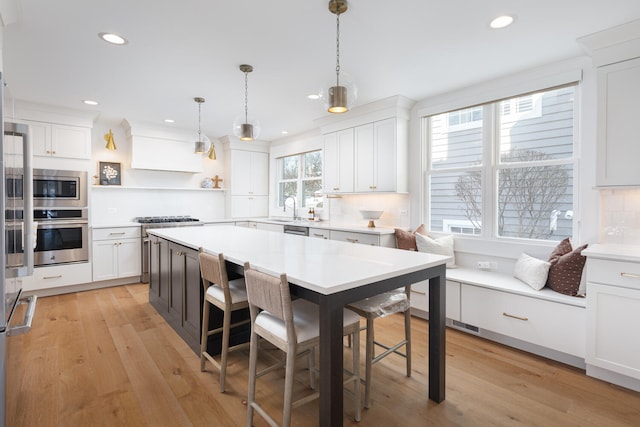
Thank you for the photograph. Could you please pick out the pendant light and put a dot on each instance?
(339, 98)
(243, 127)
(199, 143)
(111, 145)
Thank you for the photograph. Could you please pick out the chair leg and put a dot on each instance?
(288, 385)
(312, 367)
(205, 333)
(356, 372)
(226, 327)
(407, 334)
(253, 367)
(369, 355)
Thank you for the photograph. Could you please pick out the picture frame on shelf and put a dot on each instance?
(110, 173)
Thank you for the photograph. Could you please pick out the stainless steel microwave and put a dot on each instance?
(52, 188)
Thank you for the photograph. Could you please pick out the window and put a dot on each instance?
(301, 176)
(508, 175)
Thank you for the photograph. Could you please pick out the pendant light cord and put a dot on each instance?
(199, 132)
(246, 97)
(338, 49)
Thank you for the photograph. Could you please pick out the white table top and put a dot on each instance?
(324, 266)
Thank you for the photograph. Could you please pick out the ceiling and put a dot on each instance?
(180, 50)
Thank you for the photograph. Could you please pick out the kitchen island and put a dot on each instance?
(329, 273)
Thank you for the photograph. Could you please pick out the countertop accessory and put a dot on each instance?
(371, 215)
(199, 149)
(340, 97)
(243, 128)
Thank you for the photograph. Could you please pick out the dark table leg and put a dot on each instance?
(330, 361)
(437, 322)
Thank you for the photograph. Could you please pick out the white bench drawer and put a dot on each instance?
(553, 325)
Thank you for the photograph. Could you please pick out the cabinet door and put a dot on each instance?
(240, 172)
(249, 206)
(154, 270)
(40, 137)
(613, 328)
(176, 284)
(338, 161)
(259, 174)
(129, 261)
(364, 159)
(70, 141)
(420, 298)
(164, 279)
(385, 155)
(618, 124)
(192, 306)
(105, 265)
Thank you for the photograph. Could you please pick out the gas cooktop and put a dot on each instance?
(164, 219)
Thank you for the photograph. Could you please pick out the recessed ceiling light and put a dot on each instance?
(284, 132)
(169, 121)
(113, 38)
(90, 102)
(313, 96)
(502, 21)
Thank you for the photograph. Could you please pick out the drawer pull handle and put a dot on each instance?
(52, 277)
(418, 292)
(515, 317)
(156, 243)
(318, 235)
(116, 234)
(632, 275)
(351, 240)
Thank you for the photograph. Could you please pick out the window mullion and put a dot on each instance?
(489, 160)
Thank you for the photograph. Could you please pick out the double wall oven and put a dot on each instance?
(60, 213)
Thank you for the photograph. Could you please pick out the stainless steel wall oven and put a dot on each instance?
(62, 236)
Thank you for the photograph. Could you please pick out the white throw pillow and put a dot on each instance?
(531, 271)
(439, 246)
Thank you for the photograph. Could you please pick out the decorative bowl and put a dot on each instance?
(371, 215)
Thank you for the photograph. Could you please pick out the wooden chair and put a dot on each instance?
(228, 297)
(396, 301)
(293, 327)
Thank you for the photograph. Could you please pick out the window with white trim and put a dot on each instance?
(511, 174)
(300, 176)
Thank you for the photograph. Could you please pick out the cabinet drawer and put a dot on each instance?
(617, 273)
(553, 325)
(420, 298)
(115, 233)
(363, 238)
(319, 233)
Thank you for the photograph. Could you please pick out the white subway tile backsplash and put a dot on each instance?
(620, 216)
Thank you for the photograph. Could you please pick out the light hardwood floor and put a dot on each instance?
(106, 358)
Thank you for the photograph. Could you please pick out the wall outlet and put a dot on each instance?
(111, 211)
(403, 212)
(487, 265)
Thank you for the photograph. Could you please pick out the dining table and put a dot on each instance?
(331, 274)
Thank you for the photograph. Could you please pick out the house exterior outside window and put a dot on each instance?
(300, 176)
(504, 169)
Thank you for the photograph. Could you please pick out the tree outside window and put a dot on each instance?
(301, 176)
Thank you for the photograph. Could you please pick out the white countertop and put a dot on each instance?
(614, 252)
(324, 266)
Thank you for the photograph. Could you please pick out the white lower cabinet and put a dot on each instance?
(270, 227)
(548, 324)
(613, 321)
(116, 253)
(249, 206)
(420, 298)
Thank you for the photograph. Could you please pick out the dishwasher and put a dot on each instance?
(299, 230)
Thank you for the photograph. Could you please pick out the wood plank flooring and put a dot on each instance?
(106, 358)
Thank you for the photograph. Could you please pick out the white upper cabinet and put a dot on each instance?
(618, 124)
(338, 161)
(367, 151)
(249, 173)
(380, 158)
(57, 140)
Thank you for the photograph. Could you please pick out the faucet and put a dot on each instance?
(284, 206)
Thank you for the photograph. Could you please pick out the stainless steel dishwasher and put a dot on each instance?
(299, 230)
